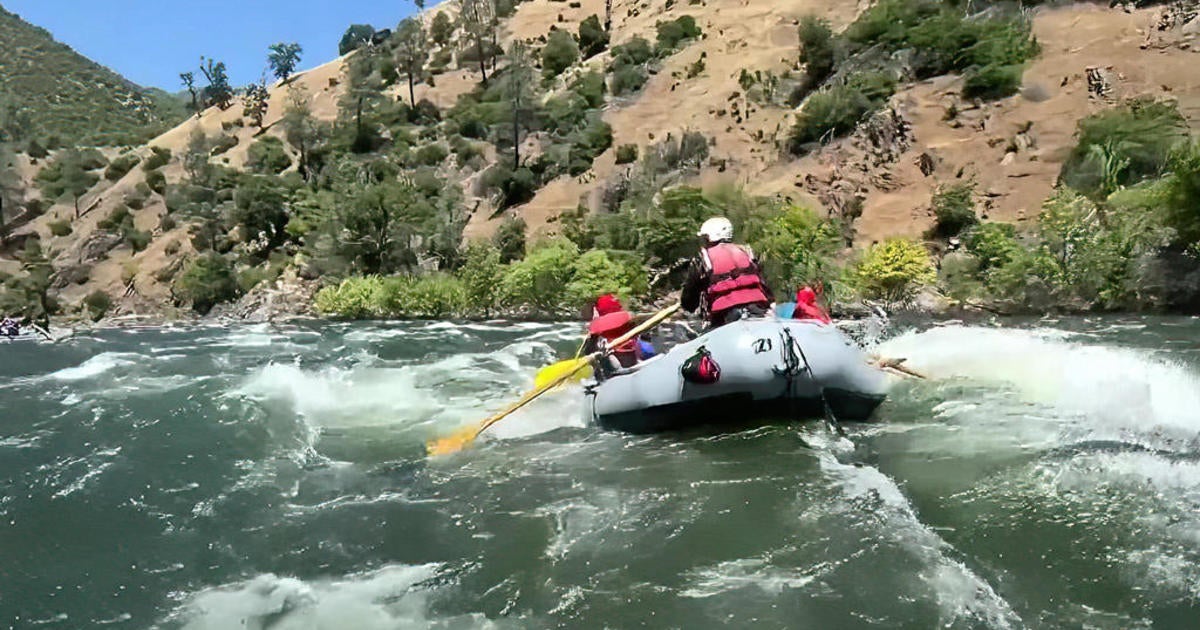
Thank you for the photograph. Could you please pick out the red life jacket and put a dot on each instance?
(807, 307)
(612, 326)
(734, 279)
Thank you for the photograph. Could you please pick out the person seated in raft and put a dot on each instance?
(10, 327)
(609, 321)
(725, 281)
(807, 307)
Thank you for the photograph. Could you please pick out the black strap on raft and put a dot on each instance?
(791, 369)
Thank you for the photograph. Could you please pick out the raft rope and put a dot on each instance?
(791, 369)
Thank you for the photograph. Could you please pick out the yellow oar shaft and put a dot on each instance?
(460, 439)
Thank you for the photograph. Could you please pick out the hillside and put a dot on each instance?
(49, 92)
(344, 177)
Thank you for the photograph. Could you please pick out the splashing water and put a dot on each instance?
(274, 477)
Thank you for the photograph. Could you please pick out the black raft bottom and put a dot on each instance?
(739, 410)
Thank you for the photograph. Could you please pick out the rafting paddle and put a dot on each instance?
(463, 438)
(553, 371)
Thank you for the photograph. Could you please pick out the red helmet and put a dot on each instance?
(606, 304)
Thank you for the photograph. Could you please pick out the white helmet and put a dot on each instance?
(716, 230)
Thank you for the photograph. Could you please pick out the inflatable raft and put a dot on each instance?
(768, 369)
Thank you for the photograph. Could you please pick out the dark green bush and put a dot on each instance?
(559, 53)
(674, 32)
(593, 39)
(591, 87)
(588, 143)
(515, 186)
(1183, 194)
(818, 49)
(92, 159)
(120, 166)
(992, 82)
(954, 209)
(268, 156)
(831, 112)
(628, 79)
(431, 155)
(115, 219)
(627, 154)
(159, 157)
(635, 52)
(994, 244)
(1123, 146)
(562, 114)
(61, 227)
(35, 150)
(97, 304)
(260, 206)
(222, 144)
(156, 181)
(509, 239)
(205, 282)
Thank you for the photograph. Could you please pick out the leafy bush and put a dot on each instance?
(598, 272)
(992, 82)
(593, 39)
(635, 52)
(354, 298)
(674, 32)
(818, 48)
(1182, 207)
(465, 150)
(434, 296)
(97, 304)
(796, 247)
(1122, 146)
(36, 150)
(259, 205)
(59, 228)
(627, 154)
(591, 87)
(834, 111)
(441, 29)
(540, 280)
(159, 157)
(156, 181)
(588, 143)
(222, 144)
(268, 157)
(206, 281)
(509, 239)
(559, 53)
(480, 274)
(628, 79)
(120, 166)
(954, 209)
(894, 270)
(431, 155)
(667, 232)
(92, 159)
(562, 114)
(994, 244)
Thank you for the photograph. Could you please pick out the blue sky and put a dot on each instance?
(151, 41)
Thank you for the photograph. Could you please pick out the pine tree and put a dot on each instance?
(519, 81)
(412, 51)
(283, 59)
(478, 18)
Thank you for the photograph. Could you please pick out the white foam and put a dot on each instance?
(748, 572)
(1109, 387)
(95, 366)
(391, 597)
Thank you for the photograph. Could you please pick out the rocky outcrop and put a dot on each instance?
(288, 297)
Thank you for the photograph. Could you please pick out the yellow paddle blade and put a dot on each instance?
(552, 373)
(452, 443)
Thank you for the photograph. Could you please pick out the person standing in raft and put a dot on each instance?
(609, 321)
(725, 282)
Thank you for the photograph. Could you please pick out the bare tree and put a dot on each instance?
(189, 82)
(519, 81)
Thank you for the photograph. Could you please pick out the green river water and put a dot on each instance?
(274, 477)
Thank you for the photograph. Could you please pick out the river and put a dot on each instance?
(274, 477)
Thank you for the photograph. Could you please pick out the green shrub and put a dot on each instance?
(667, 231)
(260, 206)
(120, 166)
(481, 274)
(992, 82)
(540, 280)
(515, 187)
(435, 296)
(222, 144)
(441, 29)
(588, 143)
(832, 112)
(993, 244)
(97, 304)
(1122, 146)
(206, 281)
(672, 33)
(251, 277)
(818, 49)
(635, 52)
(954, 210)
(115, 219)
(167, 223)
(795, 246)
(92, 159)
(156, 181)
(560, 52)
(137, 239)
(562, 114)
(894, 270)
(598, 272)
(591, 87)
(1182, 207)
(627, 154)
(593, 39)
(36, 150)
(627, 80)
(509, 239)
(159, 157)
(465, 150)
(431, 155)
(354, 298)
(268, 156)
(60, 228)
